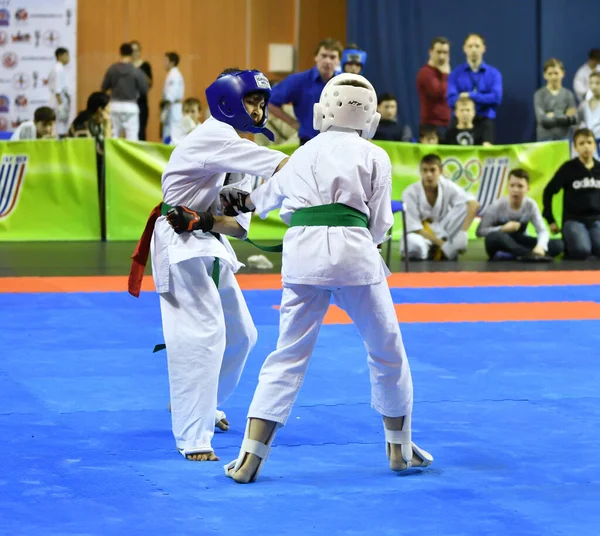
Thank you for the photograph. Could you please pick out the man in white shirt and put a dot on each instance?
(42, 126)
(60, 99)
(172, 97)
(581, 82)
(207, 327)
(438, 214)
(335, 194)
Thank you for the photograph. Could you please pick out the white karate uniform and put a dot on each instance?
(337, 166)
(173, 91)
(57, 84)
(208, 331)
(182, 129)
(446, 216)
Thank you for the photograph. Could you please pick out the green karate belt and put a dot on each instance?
(334, 215)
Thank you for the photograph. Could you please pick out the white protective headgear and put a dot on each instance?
(347, 106)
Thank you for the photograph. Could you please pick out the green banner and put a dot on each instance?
(482, 171)
(133, 172)
(49, 190)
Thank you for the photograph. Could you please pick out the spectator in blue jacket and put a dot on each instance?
(303, 89)
(476, 80)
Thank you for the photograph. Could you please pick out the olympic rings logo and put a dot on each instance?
(454, 169)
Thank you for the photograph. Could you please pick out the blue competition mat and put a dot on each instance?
(510, 411)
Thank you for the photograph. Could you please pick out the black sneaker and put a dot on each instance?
(532, 257)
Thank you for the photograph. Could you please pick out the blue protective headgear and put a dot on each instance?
(353, 55)
(225, 98)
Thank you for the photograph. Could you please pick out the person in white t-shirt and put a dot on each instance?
(581, 82)
(192, 113)
(172, 97)
(41, 127)
(588, 112)
(60, 99)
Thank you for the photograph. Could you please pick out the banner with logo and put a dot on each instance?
(49, 190)
(30, 32)
(481, 171)
(133, 172)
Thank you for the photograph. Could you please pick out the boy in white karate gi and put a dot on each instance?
(335, 193)
(207, 327)
(438, 214)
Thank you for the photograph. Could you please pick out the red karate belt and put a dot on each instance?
(141, 253)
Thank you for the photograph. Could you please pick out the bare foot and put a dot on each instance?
(397, 463)
(202, 457)
(246, 472)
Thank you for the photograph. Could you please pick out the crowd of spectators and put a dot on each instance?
(457, 107)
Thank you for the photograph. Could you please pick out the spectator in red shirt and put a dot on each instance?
(432, 84)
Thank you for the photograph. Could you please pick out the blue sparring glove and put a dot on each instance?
(234, 201)
(183, 220)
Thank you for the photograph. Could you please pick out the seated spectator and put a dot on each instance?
(428, 135)
(588, 113)
(582, 76)
(466, 131)
(353, 59)
(192, 114)
(438, 214)
(555, 106)
(42, 126)
(504, 225)
(80, 127)
(389, 129)
(579, 179)
(94, 121)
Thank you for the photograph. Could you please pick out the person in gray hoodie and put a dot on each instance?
(125, 84)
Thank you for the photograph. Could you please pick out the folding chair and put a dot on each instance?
(398, 206)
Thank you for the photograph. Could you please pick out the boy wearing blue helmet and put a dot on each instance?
(207, 327)
(353, 59)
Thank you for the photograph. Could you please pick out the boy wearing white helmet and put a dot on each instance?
(335, 193)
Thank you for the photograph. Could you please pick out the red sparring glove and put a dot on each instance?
(185, 220)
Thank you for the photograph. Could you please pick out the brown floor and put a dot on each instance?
(96, 258)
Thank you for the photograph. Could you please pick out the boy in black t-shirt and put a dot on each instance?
(579, 179)
(467, 130)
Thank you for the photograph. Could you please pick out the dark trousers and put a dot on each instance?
(517, 244)
(143, 105)
(581, 239)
